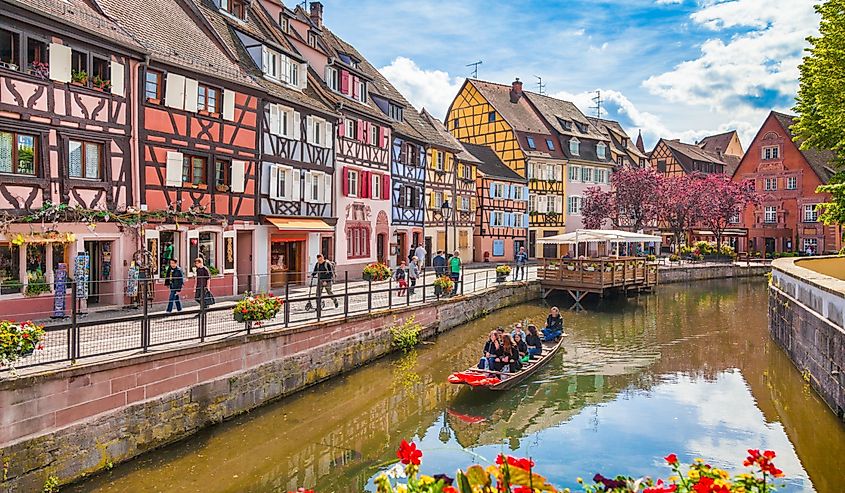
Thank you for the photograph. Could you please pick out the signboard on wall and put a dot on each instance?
(59, 288)
(82, 274)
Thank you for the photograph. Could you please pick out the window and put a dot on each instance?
(374, 135)
(395, 112)
(573, 205)
(575, 147)
(530, 141)
(811, 245)
(314, 188)
(357, 241)
(221, 172)
(84, 159)
(791, 183)
(10, 268)
(194, 170)
(100, 68)
(281, 182)
(497, 219)
(516, 192)
(350, 128)
(283, 22)
(208, 99)
(532, 203)
(152, 85)
(811, 215)
(9, 49)
(411, 155)
(601, 150)
(586, 174)
(437, 200)
(456, 122)
(439, 161)
(332, 79)
(550, 144)
(581, 127)
(771, 184)
(498, 191)
(375, 190)
(208, 249)
(734, 219)
(771, 152)
(498, 248)
(362, 91)
(410, 197)
(234, 7)
(574, 173)
(317, 131)
(567, 125)
(491, 117)
(661, 165)
(598, 175)
(36, 57)
(464, 203)
(312, 39)
(79, 63)
(771, 215)
(18, 153)
(352, 182)
(519, 219)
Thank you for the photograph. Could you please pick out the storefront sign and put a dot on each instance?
(59, 288)
(82, 274)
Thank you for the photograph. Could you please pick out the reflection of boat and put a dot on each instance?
(467, 418)
(497, 380)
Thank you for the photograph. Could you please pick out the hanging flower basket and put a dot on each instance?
(444, 284)
(257, 308)
(502, 272)
(376, 271)
(18, 340)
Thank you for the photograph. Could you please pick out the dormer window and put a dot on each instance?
(575, 147)
(491, 117)
(349, 60)
(333, 78)
(361, 95)
(312, 39)
(550, 144)
(566, 124)
(234, 7)
(395, 112)
(771, 152)
(624, 143)
(279, 67)
(531, 144)
(581, 127)
(601, 150)
(283, 22)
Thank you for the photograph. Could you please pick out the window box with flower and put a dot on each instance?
(18, 340)
(257, 308)
(376, 271)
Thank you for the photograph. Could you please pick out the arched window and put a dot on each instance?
(601, 150)
(575, 146)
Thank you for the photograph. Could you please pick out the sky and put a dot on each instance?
(671, 68)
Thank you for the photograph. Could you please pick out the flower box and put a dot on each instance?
(18, 340)
(444, 284)
(257, 308)
(376, 271)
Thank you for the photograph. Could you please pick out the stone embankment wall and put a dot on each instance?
(704, 272)
(807, 319)
(76, 421)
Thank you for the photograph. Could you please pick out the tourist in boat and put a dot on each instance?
(492, 350)
(521, 347)
(554, 325)
(532, 340)
(518, 330)
(508, 361)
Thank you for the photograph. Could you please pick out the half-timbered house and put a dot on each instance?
(501, 217)
(66, 89)
(197, 131)
(623, 152)
(673, 157)
(502, 118)
(297, 147)
(786, 177)
(451, 179)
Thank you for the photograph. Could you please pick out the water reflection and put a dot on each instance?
(690, 370)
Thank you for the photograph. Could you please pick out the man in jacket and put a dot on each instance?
(324, 272)
(521, 261)
(421, 254)
(439, 264)
(174, 281)
(413, 274)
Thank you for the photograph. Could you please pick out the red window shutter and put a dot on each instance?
(381, 137)
(354, 81)
(385, 193)
(341, 127)
(345, 181)
(344, 82)
(360, 135)
(365, 184)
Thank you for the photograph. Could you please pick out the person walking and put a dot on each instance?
(421, 254)
(324, 273)
(174, 280)
(455, 270)
(413, 274)
(439, 264)
(401, 276)
(521, 261)
(201, 294)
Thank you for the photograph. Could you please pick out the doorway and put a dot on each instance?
(770, 245)
(381, 240)
(429, 250)
(549, 249)
(99, 273)
(401, 247)
(244, 261)
(326, 247)
(286, 262)
(517, 244)
(532, 240)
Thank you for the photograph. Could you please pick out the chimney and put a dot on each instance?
(317, 14)
(516, 90)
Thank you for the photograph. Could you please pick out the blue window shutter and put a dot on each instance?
(510, 219)
(525, 220)
(492, 187)
(507, 191)
(525, 194)
(492, 216)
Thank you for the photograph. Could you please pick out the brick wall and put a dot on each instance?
(703, 272)
(76, 421)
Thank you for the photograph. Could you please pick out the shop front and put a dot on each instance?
(293, 246)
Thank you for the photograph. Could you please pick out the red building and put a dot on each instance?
(786, 179)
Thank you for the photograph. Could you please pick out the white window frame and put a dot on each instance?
(440, 161)
(770, 214)
(333, 79)
(576, 172)
(575, 146)
(498, 219)
(464, 203)
(810, 214)
(734, 219)
(350, 128)
(601, 150)
(791, 182)
(574, 205)
(770, 184)
(586, 174)
(362, 91)
(498, 190)
(813, 242)
(770, 152)
(352, 177)
(375, 188)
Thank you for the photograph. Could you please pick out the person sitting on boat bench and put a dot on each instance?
(521, 347)
(535, 345)
(554, 325)
(492, 350)
(518, 330)
(508, 361)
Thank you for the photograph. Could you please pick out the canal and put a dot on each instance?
(690, 369)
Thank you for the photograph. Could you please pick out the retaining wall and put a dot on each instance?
(76, 421)
(807, 319)
(704, 272)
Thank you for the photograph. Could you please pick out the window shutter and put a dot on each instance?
(295, 186)
(118, 78)
(307, 177)
(507, 191)
(360, 128)
(344, 82)
(60, 62)
(174, 91)
(525, 220)
(385, 187)
(365, 184)
(382, 138)
(296, 125)
(273, 192)
(492, 219)
(559, 204)
(275, 119)
(265, 59)
(309, 129)
(341, 127)
(174, 169)
(327, 189)
(191, 94)
(329, 135)
(238, 176)
(345, 181)
(355, 90)
(525, 194)
(303, 75)
(228, 105)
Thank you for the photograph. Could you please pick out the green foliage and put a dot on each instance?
(377, 271)
(18, 339)
(406, 334)
(36, 284)
(833, 212)
(503, 270)
(51, 485)
(79, 76)
(257, 308)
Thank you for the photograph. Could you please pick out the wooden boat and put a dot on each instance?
(497, 380)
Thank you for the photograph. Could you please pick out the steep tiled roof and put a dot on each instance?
(491, 165)
(818, 159)
(640, 144)
(717, 143)
(687, 153)
(520, 115)
(173, 36)
(448, 140)
(80, 14)
(554, 110)
(614, 132)
(731, 163)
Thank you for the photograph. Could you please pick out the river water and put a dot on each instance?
(690, 369)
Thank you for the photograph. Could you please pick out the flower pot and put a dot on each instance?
(239, 317)
(154, 100)
(501, 277)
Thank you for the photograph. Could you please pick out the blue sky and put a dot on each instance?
(673, 68)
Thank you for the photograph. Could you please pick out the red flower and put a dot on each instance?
(525, 464)
(671, 459)
(408, 453)
(660, 487)
(25, 335)
(522, 489)
(763, 461)
(40, 346)
(450, 489)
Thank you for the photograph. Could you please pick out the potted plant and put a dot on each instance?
(674, 258)
(570, 266)
(376, 271)
(79, 78)
(444, 285)
(591, 267)
(608, 267)
(220, 187)
(502, 272)
(18, 340)
(214, 271)
(100, 83)
(40, 70)
(651, 258)
(35, 284)
(256, 308)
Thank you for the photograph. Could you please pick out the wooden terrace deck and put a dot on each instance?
(579, 277)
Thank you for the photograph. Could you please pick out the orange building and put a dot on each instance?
(786, 178)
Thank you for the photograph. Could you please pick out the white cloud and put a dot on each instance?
(758, 68)
(433, 90)
(668, 2)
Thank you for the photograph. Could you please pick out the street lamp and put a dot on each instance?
(446, 210)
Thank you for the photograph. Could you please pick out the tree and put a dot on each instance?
(631, 203)
(597, 207)
(680, 199)
(723, 199)
(821, 102)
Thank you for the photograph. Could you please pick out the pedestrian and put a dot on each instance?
(439, 264)
(421, 254)
(401, 276)
(521, 260)
(411, 253)
(413, 274)
(324, 273)
(202, 295)
(174, 280)
(455, 270)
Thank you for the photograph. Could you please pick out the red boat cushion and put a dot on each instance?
(472, 378)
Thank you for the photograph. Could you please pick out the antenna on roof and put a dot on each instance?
(597, 99)
(474, 66)
(540, 84)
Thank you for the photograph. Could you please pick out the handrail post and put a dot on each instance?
(202, 318)
(408, 292)
(461, 274)
(390, 292)
(319, 300)
(345, 294)
(287, 304)
(73, 352)
(145, 321)
(369, 295)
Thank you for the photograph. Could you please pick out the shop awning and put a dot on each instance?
(289, 224)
